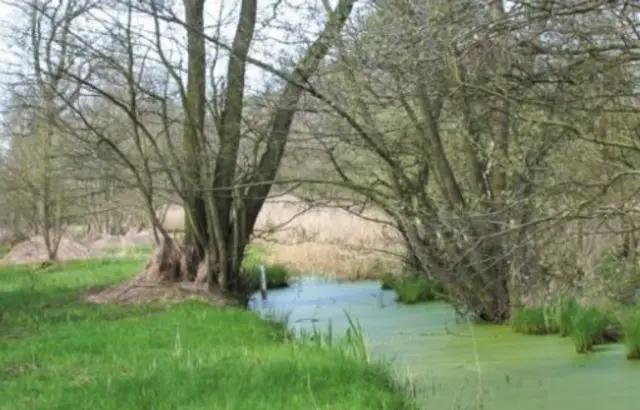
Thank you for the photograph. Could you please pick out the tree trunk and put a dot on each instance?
(219, 216)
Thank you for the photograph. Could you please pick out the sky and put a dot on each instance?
(284, 28)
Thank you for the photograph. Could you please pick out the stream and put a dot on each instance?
(459, 366)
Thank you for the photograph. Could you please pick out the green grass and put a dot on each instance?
(130, 252)
(631, 330)
(587, 328)
(278, 276)
(537, 320)
(567, 310)
(387, 281)
(58, 353)
(412, 290)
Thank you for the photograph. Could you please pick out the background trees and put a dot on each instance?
(494, 137)
(200, 164)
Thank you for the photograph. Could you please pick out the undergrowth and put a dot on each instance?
(631, 326)
(411, 290)
(587, 328)
(537, 320)
(277, 275)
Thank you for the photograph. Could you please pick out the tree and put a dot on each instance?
(458, 126)
(222, 199)
(36, 167)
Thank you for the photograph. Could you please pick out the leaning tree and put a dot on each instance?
(458, 118)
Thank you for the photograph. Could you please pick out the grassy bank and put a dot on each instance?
(411, 290)
(57, 352)
(586, 326)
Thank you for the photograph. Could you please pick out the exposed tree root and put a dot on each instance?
(172, 273)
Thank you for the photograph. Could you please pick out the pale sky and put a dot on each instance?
(281, 32)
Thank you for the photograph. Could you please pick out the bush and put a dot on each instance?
(277, 276)
(587, 328)
(537, 320)
(631, 329)
(565, 314)
(416, 290)
(387, 281)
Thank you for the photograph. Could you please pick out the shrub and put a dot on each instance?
(537, 320)
(587, 328)
(414, 290)
(254, 256)
(631, 329)
(566, 312)
(387, 281)
(277, 276)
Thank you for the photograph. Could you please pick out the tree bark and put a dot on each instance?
(220, 216)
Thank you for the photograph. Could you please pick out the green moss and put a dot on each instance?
(538, 320)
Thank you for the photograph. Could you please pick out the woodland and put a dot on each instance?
(496, 141)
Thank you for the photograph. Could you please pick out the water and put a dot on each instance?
(461, 366)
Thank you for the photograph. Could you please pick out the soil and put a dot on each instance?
(140, 291)
(165, 278)
(34, 250)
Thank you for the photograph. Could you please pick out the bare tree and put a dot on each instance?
(457, 124)
(38, 144)
(222, 196)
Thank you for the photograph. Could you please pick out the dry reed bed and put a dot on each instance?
(331, 241)
(328, 241)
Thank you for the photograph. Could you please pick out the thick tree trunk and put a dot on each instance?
(219, 216)
(196, 234)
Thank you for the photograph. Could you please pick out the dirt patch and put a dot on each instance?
(108, 241)
(35, 250)
(165, 278)
(140, 291)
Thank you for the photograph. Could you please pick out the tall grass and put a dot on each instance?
(277, 275)
(411, 290)
(566, 311)
(631, 327)
(352, 345)
(587, 328)
(537, 320)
